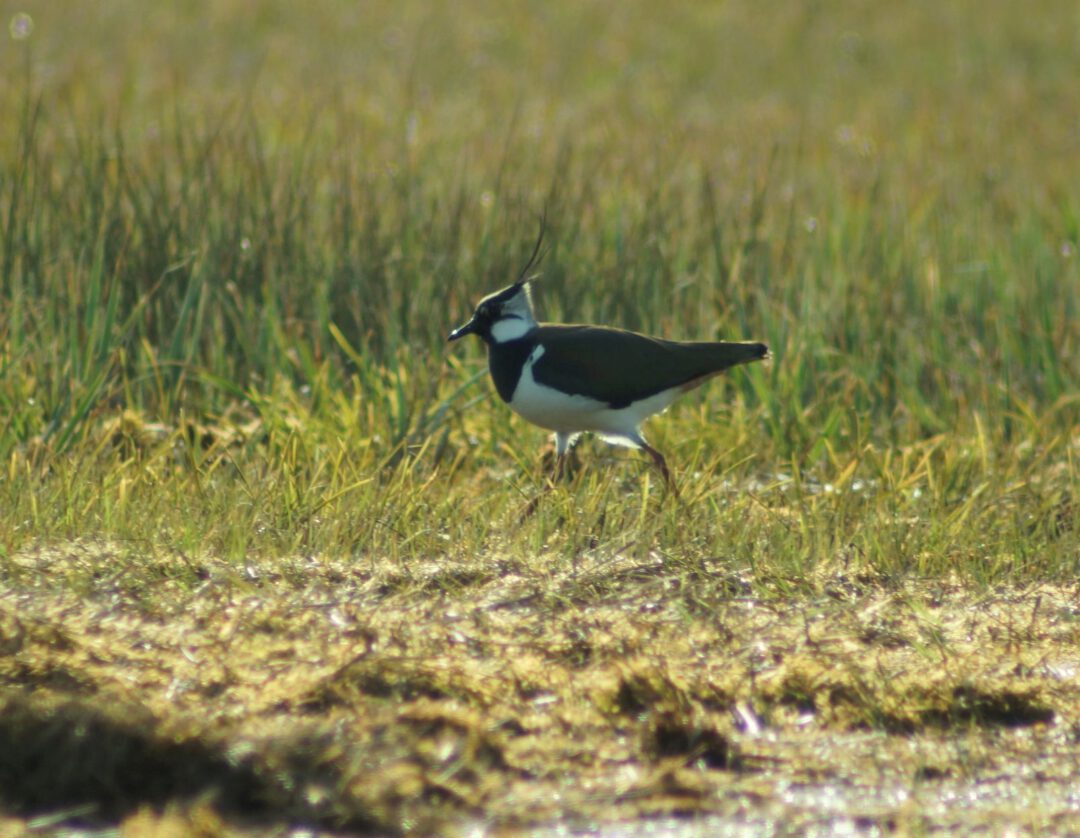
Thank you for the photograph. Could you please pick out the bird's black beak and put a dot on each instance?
(460, 332)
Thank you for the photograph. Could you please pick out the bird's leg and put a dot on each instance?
(530, 508)
(558, 469)
(661, 464)
(563, 444)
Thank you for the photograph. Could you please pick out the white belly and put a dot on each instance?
(568, 414)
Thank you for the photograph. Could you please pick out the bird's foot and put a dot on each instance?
(561, 466)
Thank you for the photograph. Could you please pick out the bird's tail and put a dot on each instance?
(715, 357)
(724, 354)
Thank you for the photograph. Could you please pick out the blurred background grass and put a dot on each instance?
(280, 210)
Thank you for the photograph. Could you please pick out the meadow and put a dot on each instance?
(263, 562)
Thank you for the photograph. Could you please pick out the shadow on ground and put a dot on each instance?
(97, 766)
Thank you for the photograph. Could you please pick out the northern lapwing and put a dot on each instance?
(572, 379)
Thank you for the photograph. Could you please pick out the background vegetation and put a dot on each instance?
(233, 237)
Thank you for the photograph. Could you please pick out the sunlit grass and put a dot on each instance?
(231, 250)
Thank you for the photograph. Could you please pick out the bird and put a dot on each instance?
(577, 378)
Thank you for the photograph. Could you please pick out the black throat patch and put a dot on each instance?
(506, 361)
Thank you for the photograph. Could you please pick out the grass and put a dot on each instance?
(260, 533)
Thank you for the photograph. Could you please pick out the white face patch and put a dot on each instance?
(509, 313)
(510, 328)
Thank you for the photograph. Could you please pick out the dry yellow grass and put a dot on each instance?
(519, 692)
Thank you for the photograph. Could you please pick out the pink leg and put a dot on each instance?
(661, 464)
(558, 470)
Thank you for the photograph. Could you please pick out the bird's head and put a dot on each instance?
(503, 316)
(507, 314)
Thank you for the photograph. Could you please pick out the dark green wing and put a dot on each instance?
(620, 367)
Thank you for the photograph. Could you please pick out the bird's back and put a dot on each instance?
(620, 367)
